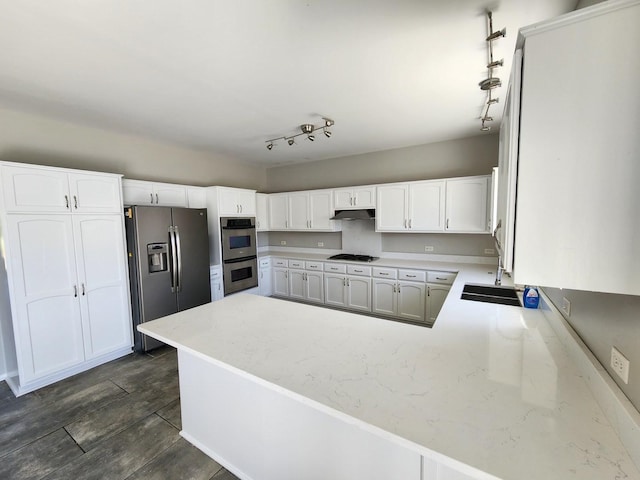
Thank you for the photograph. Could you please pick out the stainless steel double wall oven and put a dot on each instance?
(239, 253)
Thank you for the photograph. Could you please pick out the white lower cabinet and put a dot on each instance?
(348, 291)
(281, 281)
(70, 292)
(436, 295)
(306, 286)
(265, 280)
(399, 299)
(217, 292)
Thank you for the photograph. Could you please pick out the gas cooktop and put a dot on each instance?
(352, 257)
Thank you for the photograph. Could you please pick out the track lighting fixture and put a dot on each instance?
(491, 82)
(307, 129)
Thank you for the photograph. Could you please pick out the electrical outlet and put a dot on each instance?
(620, 364)
(321, 244)
(489, 251)
(566, 306)
(428, 248)
(283, 242)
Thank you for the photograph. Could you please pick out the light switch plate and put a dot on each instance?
(620, 364)
(566, 306)
(283, 242)
(428, 248)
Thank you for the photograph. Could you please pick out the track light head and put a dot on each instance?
(498, 34)
(306, 128)
(269, 146)
(490, 83)
(311, 137)
(327, 133)
(496, 63)
(328, 122)
(291, 141)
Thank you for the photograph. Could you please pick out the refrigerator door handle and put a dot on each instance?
(176, 233)
(174, 263)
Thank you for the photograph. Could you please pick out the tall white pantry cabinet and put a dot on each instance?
(65, 271)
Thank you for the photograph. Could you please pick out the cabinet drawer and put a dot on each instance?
(385, 272)
(335, 267)
(441, 277)
(280, 262)
(359, 270)
(265, 262)
(313, 265)
(413, 275)
(296, 264)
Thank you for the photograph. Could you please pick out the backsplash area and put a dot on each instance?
(360, 237)
(603, 320)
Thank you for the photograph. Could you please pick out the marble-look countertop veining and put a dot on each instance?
(490, 386)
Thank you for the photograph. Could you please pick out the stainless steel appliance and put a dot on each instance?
(168, 263)
(239, 262)
(353, 257)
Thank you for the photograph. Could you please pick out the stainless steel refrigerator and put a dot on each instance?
(168, 252)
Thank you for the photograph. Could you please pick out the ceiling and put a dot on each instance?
(227, 75)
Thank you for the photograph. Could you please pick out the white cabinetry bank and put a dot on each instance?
(66, 273)
(577, 176)
(398, 289)
(489, 393)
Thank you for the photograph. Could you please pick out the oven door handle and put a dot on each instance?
(176, 233)
(174, 263)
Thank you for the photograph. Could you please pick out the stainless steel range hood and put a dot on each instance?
(363, 214)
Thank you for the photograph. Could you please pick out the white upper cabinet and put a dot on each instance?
(236, 202)
(197, 197)
(578, 169)
(139, 192)
(355, 197)
(426, 206)
(278, 211)
(41, 189)
(466, 205)
(392, 207)
(411, 207)
(298, 211)
(262, 212)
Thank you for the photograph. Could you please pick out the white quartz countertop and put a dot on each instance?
(490, 386)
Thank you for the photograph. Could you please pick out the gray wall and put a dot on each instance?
(453, 158)
(442, 243)
(31, 138)
(604, 320)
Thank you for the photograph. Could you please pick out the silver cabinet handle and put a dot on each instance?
(394, 288)
(405, 223)
(357, 271)
(83, 292)
(428, 291)
(409, 223)
(75, 202)
(66, 200)
(384, 273)
(348, 284)
(157, 199)
(398, 288)
(447, 226)
(75, 290)
(151, 195)
(440, 278)
(240, 208)
(411, 276)
(350, 200)
(286, 224)
(344, 282)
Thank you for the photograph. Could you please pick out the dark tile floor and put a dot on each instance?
(117, 421)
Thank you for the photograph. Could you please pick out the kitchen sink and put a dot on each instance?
(491, 294)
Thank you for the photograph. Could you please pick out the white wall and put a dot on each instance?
(453, 158)
(30, 138)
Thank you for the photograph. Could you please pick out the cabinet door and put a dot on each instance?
(335, 290)
(281, 282)
(314, 287)
(247, 201)
(364, 197)
(35, 190)
(321, 210)
(48, 327)
(94, 193)
(412, 300)
(435, 299)
(426, 206)
(262, 212)
(391, 212)
(137, 192)
(264, 282)
(298, 211)
(359, 293)
(297, 285)
(278, 215)
(102, 274)
(168, 195)
(197, 197)
(384, 297)
(466, 205)
(343, 199)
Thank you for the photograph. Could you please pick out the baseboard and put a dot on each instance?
(211, 454)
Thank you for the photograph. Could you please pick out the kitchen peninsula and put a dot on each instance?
(273, 389)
